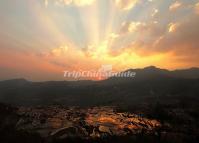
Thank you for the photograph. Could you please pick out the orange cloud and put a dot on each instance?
(132, 27)
(197, 8)
(126, 4)
(172, 27)
(27, 65)
(183, 41)
(59, 51)
(175, 6)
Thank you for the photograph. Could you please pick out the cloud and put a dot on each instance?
(179, 38)
(71, 2)
(197, 8)
(144, 30)
(172, 27)
(155, 12)
(83, 2)
(97, 51)
(113, 36)
(132, 27)
(175, 6)
(27, 65)
(135, 26)
(179, 42)
(55, 52)
(184, 41)
(59, 51)
(126, 4)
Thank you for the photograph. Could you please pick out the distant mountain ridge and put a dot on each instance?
(179, 73)
(154, 72)
(149, 83)
(147, 71)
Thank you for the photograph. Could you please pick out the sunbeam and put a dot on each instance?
(124, 33)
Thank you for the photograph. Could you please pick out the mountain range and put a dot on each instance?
(151, 84)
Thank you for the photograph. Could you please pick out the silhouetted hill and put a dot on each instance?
(191, 73)
(14, 81)
(187, 73)
(150, 84)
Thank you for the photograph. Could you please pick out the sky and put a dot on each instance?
(39, 39)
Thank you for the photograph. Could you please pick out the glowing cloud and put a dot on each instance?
(71, 2)
(175, 6)
(172, 27)
(85, 34)
(197, 8)
(113, 36)
(132, 26)
(126, 4)
(155, 11)
(59, 51)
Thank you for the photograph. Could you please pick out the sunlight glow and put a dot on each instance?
(85, 34)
